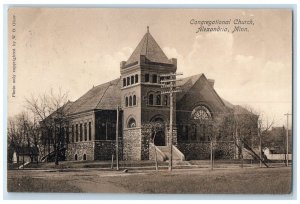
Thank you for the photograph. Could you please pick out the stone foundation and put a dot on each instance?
(201, 150)
(145, 146)
(132, 144)
(105, 149)
(80, 149)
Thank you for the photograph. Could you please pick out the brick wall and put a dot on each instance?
(80, 148)
(132, 144)
(201, 150)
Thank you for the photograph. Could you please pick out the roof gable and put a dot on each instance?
(185, 85)
(150, 49)
(198, 86)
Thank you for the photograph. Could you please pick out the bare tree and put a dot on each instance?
(248, 128)
(51, 111)
(22, 135)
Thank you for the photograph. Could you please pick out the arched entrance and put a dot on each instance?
(158, 131)
(160, 139)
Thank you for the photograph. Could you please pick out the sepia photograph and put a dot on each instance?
(169, 101)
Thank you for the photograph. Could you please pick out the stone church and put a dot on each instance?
(137, 92)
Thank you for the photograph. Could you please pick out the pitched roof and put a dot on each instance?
(186, 84)
(105, 96)
(148, 47)
(108, 96)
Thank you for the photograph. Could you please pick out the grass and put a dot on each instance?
(27, 184)
(250, 181)
(187, 181)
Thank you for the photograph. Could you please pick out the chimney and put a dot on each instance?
(211, 82)
(174, 61)
(122, 64)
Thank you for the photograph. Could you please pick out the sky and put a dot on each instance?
(76, 49)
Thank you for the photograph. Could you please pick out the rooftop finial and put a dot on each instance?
(147, 29)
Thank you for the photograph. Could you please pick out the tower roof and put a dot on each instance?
(150, 49)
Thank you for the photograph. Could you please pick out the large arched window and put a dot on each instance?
(126, 101)
(134, 100)
(201, 113)
(202, 119)
(132, 79)
(131, 123)
(150, 99)
(130, 100)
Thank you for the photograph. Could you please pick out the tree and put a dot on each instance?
(249, 126)
(22, 134)
(51, 111)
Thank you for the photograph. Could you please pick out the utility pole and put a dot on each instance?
(287, 138)
(117, 138)
(171, 88)
(259, 135)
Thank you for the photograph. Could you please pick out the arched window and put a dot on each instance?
(150, 99)
(165, 100)
(147, 78)
(158, 99)
(132, 79)
(128, 81)
(76, 157)
(124, 82)
(130, 100)
(202, 118)
(134, 100)
(154, 78)
(131, 123)
(84, 157)
(201, 113)
(136, 78)
(126, 101)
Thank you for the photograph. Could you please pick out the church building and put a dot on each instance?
(137, 94)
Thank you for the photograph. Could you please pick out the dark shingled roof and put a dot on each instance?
(148, 47)
(108, 96)
(105, 96)
(186, 84)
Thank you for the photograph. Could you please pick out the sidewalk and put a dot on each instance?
(65, 166)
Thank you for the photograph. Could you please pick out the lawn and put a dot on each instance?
(27, 184)
(194, 181)
(245, 181)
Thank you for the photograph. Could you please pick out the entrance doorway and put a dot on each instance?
(160, 139)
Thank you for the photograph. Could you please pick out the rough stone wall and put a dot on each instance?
(145, 140)
(80, 148)
(132, 144)
(105, 149)
(201, 150)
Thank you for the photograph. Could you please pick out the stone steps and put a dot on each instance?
(166, 151)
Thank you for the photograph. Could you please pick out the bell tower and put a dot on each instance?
(141, 97)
